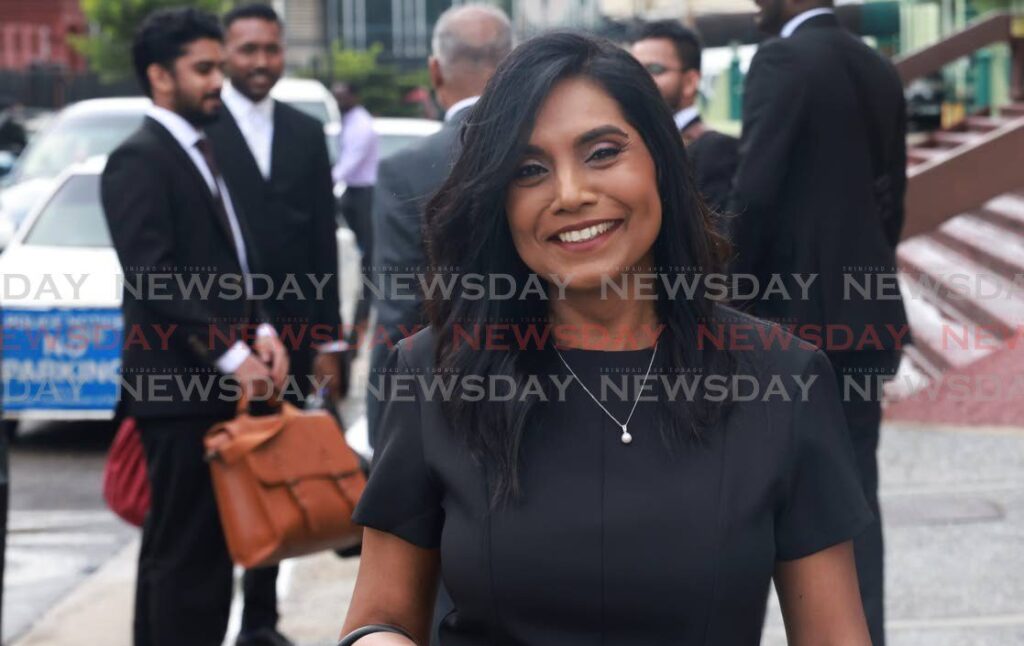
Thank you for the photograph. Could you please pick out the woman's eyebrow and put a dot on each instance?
(582, 140)
(598, 132)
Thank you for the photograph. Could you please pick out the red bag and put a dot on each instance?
(125, 481)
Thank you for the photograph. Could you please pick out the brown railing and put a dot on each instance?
(995, 28)
(965, 179)
(984, 166)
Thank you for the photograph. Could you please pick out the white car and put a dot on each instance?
(96, 126)
(80, 131)
(394, 133)
(61, 304)
(309, 96)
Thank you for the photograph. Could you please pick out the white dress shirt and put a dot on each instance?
(685, 117)
(459, 107)
(256, 121)
(796, 21)
(187, 135)
(357, 154)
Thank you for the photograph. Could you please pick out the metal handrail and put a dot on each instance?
(999, 27)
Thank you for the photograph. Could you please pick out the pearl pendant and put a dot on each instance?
(626, 437)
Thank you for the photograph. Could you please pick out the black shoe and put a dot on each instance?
(263, 637)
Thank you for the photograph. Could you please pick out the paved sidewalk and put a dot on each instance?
(953, 505)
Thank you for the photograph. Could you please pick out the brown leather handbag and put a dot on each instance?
(286, 484)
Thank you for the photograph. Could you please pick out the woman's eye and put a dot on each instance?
(529, 170)
(602, 154)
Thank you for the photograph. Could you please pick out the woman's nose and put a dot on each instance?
(573, 193)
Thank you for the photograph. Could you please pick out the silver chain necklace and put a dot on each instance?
(626, 437)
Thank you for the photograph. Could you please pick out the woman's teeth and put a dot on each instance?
(582, 235)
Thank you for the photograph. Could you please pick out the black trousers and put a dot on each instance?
(184, 585)
(855, 372)
(259, 588)
(356, 207)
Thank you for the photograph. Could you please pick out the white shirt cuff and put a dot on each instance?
(229, 361)
(333, 346)
(264, 330)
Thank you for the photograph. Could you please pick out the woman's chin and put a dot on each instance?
(606, 282)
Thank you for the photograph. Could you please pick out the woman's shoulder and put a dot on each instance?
(418, 350)
(762, 345)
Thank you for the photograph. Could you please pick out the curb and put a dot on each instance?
(100, 605)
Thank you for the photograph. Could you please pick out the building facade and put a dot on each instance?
(35, 32)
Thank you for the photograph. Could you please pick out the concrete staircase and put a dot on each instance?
(963, 282)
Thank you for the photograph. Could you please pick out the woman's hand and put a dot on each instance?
(820, 599)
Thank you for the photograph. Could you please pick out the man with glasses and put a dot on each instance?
(672, 55)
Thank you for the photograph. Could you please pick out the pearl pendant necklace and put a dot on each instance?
(626, 437)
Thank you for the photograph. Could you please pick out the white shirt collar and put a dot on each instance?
(242, 106)
(459, 107)
(686, 116)
(184, 132)
(796, 21)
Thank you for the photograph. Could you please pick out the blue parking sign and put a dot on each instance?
(61, 359)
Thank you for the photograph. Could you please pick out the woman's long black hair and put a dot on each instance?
(467, 231)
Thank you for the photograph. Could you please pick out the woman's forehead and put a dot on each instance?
(575, 106)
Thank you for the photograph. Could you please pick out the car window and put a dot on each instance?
(74, 139)
(73, 217)
(315, 109)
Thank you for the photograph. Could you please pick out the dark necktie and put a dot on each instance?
(206, 150)
(204, 147)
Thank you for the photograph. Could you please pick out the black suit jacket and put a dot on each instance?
(165, 225)
(405, 182)
(291, 219)
(823, 126)
(713, 157)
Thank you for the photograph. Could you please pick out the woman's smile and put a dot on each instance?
(586, 236)
(584, 201)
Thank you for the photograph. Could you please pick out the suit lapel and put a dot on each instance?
(190, 168)
(240, 170)
(233, 148)
(279, 142)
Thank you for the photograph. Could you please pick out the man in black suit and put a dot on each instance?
(672, 55)
(468, 44)
(819, 191)
(274, 159)
(186, 357)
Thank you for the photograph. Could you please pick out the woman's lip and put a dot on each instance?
(580, 226)
(593, 243)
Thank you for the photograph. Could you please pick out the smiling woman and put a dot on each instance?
(585, 200)
(584, 514)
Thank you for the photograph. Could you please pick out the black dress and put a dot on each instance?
(612, 543)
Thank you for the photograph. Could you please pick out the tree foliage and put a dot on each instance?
(113, 24)
(382, 86)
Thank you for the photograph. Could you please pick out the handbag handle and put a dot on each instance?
(242, 408)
